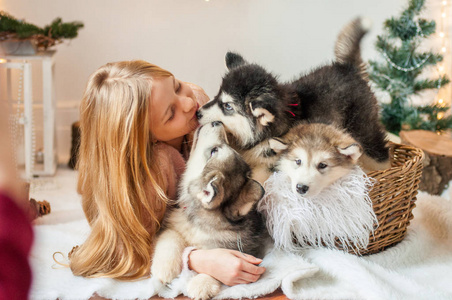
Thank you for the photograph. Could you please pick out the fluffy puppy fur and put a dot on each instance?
(316, 155)
(216, 209)
(318, 195)
(341, 213)
(254, 106)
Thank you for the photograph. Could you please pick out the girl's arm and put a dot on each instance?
(228, 266)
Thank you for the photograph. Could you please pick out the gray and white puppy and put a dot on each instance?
(216, 209)
(255, 107)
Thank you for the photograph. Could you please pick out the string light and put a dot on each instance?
(443, 34)
(416, 66)
(443, 96)
(2, 61)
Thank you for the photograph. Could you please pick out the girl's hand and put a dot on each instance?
(228, 266)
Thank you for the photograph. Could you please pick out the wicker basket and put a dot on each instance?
(393, 196)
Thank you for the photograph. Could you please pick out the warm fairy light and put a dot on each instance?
(2, 60)
(444, 35)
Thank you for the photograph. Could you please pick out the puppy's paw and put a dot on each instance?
(203, 287)
(166, 270)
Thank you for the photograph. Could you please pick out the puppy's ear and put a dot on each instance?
(251, 193)
(212, 193)
(234, 60)
(262, 111)
(277, 145)
(353, 150)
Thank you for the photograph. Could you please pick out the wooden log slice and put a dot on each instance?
(437, 170)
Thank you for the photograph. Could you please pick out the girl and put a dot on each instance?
(135, 118)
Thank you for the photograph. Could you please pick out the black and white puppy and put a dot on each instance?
(255, 107)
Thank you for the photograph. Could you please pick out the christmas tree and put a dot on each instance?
(398, 73)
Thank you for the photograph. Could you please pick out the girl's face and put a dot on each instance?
(172, 110)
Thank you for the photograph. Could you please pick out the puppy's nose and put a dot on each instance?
(216, 123)
(199, 114)
(302, 189)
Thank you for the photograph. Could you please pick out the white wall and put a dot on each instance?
(190, 37)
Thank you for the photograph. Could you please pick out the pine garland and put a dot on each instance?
(398, 73)
(13, 29)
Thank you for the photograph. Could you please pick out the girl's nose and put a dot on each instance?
(188, 103)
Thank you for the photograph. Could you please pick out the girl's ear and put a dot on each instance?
(234, 60)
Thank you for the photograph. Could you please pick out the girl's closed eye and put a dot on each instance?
(173, 113)
(178, 87)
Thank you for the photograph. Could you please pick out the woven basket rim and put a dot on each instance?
(408, 165)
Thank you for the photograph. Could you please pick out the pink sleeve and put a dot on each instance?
(16, 237)
(172, 165)
(185, 257)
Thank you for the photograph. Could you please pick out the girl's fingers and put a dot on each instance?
(252, 269)
(249, 258)
(241, 281)
(247, 277)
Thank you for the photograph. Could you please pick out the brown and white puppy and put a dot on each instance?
(317, 155)
(216, 209)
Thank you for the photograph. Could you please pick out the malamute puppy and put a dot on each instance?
(254, 106)
(216, 209)
(316, 155)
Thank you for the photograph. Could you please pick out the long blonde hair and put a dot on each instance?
(117, 174)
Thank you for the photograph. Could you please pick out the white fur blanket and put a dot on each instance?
(343, 211)
(420, 267)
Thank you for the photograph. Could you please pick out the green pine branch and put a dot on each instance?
(21, 28)
(416, 6)
(11, 27)
(59, 30)
(426, 84)
(427, 118)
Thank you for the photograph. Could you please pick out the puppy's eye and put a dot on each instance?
(322, 166)
(228, 106)
(213, 151)
(298, 162)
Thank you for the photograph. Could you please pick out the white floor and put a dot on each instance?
(61, 192)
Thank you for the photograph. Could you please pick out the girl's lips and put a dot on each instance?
(194, 115)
